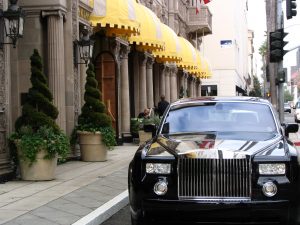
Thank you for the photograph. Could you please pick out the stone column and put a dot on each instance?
(194, 87)
(143, 82)
(199, 88)
(174, 91)
(162, 78)
(136, 76)
(125, 103)
(186, 88)
(56, 62)
(156, 83)
(149, 78)
(167, 84)
(190, 86)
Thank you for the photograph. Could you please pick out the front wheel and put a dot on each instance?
(137, 221)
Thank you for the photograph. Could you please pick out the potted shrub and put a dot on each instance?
(145, 136)
(94, 128)
(37, 138)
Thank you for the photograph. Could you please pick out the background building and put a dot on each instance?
(132, 71)
(227, 49)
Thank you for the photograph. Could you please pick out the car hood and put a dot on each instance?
(213, 145)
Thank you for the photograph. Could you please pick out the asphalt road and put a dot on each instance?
(123, 216)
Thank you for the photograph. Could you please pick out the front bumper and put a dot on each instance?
(253, 212)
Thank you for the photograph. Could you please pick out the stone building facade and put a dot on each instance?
(129, 79)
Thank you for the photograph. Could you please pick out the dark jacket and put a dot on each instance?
(161, 107)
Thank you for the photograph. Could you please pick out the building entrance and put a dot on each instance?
(107, 83)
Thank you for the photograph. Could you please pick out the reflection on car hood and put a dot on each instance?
(210, 145)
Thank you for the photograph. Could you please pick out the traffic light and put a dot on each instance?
(281, 76)
(276, 45)
(291, 11)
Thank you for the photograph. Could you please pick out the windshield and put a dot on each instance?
(220, 117)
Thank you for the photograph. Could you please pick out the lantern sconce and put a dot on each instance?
(13, 21)
(85, 48)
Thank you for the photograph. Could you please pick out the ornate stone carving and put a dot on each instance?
(142, 59)
(114, 48)
(124, 51)
(150, 61)
(3, 97)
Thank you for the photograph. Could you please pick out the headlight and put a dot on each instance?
(158, 168)
(272, 169)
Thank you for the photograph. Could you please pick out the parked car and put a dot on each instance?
(297, 112)
(216, 160)
(287, 107)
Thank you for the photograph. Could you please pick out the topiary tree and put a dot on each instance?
(36, 129)
(93, 117)
(38, 109)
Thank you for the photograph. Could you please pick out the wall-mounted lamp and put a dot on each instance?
(13, 19)
(85, 47)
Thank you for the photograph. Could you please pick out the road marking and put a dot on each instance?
(105, 211)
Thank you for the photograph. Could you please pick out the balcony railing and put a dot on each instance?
(201, 22)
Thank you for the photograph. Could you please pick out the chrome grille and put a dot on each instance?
(214, 178)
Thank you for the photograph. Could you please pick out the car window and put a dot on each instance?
(221, 117)
(298, 105)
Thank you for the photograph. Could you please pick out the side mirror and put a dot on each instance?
(290, 128)
(166, 128)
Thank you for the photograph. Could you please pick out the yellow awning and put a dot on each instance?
(189, 56)
(150, 37)
(198, 65)
(203, 71)
(172, 51)
(118, 17)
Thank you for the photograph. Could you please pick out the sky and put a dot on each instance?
(257, 23)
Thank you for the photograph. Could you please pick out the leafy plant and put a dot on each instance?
(139, 123)
(36, 128)
(31, 142)
(93, 117)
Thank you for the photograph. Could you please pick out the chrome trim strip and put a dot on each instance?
(196, 198)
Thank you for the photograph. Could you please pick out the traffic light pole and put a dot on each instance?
(271, 11)
(280, 65)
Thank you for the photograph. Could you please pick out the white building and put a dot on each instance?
(227, 49)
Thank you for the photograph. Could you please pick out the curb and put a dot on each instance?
(105, 211)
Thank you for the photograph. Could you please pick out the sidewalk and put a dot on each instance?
(86, 192)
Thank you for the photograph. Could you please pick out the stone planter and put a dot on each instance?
(42, 169)
(92, 148)
(144, 136)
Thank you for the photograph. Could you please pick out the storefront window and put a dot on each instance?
(209, 90)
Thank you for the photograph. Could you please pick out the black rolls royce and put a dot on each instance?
(216, 160)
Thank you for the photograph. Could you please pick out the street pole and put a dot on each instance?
(271, 12)
(280, 65)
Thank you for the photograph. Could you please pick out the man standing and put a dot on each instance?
(162, 105)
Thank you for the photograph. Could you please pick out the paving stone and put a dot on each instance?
(69, 207)
(7, 215)
(55, 215)
(30, 219)
(86, 202)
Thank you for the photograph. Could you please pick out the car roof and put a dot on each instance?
(221, 99)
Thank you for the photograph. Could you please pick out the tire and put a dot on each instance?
(138, 221)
